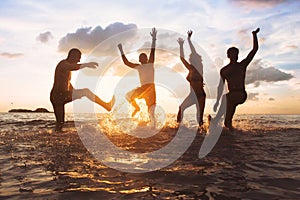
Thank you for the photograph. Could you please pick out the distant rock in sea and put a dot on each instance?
(38, 110)
(43, 110)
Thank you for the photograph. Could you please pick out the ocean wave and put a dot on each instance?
(252, 124)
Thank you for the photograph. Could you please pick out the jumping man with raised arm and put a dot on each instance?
(146, 74)
(195, 77)
(63, 91)
(234, 73)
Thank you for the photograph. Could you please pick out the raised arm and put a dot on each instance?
(74, 67)
(126, 62)
(152, 53)
(186, 64)
(252, 53)
(193, 50)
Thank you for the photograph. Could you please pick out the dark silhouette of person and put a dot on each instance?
(146, 75)
(63, 91)
(234, 73)
(195, 78)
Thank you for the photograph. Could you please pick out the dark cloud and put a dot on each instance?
(271, 99)
(252, 96)
(44, 37)
(11, 55)
(88, 38)
(257, 73)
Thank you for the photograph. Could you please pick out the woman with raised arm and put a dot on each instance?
(195, 77)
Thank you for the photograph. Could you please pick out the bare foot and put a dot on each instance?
(111, 103)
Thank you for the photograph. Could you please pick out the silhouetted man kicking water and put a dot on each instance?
(234, 73)
(146, 74)
(63, 91)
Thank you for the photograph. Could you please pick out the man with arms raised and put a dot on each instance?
(234, 73)
(146, 74)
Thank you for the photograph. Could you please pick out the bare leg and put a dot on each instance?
(200, 109)
(229, 115)
(136, 107)
(150, 98)
(233, 100)
(130, 96)
(188, 101)
(179, 115)
(111, 103)
(91, 96)
(59, 111)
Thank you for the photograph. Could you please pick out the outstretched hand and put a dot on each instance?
(153, 33)
(190, 32)
(92, 65)
(256, 31)
(180, 41)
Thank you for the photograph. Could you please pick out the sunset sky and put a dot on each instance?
(36, 35)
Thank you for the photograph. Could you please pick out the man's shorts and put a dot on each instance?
(146, 92)
(63, 97)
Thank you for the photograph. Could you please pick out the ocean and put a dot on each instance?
(261, 160)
